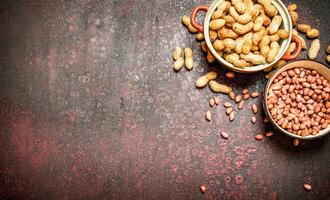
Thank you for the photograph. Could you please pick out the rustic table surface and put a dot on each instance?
(90, 108)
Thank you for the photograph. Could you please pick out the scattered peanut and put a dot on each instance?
(268, 69)
(203, 188)
(210, 58)
(229, 110)
(178, 64)
(303, 42)
(227, 105)
(294, 18)
(189, 62)
(314, 49)
(186, 22)
(267, 76)
(224, 135)
(177, 53)
(246, 96)
(217, 87)
(304, 28)
(200, 36)
(254, 94)
(328, 49)
(269, 134)
(295, 142)
(295, 32)
(240, 105)
(208, 116)
(313, 33)
(212, 102)
(253, 119)
(204, 80)
(232, 116)
(216, 100)
(292, 7)
(211, 75)
(328, 58)
(230, 75)
(254, 108)
(308, 187)
(238, 98)
(259, 137)
(292, 48)
(279, 64)
(232, 95)
(204, 46)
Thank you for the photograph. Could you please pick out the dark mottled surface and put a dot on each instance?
(91, 109)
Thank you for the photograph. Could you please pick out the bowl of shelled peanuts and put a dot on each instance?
(247, 35)
(297, 99)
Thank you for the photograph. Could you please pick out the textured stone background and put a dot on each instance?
(91, 109)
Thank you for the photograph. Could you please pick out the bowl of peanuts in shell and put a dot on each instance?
(297, 99)
(247, 35)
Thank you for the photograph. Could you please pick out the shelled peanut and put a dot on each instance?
(314, 49)
(229, 111)
(214, 101)
(292, 8)
(311, 33)
(204, 80)
(177, 57)
(298, 101)
(247, 33)
(189, 62)
(186, 22)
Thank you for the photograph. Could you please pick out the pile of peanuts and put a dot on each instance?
(299, 101)
(246, 33)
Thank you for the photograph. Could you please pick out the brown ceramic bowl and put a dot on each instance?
(308, 64)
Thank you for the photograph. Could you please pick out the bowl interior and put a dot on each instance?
(286, 25)
(308, 64)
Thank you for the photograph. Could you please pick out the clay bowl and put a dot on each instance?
(308, 64)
